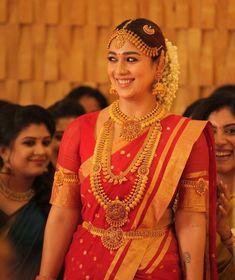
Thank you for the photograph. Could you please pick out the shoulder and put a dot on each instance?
(82, 122)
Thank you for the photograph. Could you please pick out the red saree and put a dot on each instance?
(176, 161)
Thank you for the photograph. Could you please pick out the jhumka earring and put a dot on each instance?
(112, 90)
(158, 87)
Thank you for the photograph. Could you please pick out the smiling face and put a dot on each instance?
(223, 122)
(30, 153)
(131, 73)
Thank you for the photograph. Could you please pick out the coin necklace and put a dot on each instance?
(116, 211)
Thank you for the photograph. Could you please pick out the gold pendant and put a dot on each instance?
(131, 129)
(113, 238)
(116, 214)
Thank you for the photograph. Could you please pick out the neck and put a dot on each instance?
(17, 184)
(229, 180)
(137, 108)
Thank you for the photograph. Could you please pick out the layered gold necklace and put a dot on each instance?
(131, 128)
(117, 210)
(16, 196)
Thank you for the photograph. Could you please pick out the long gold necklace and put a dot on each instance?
(116, 211)
(16, 196)
(131, 128)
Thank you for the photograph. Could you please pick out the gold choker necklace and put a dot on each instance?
(16, 196)
(133, 127)
(117, 210)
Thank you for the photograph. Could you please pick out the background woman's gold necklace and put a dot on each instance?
(131, 128)
(16, 196)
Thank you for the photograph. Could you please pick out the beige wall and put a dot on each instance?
(49, 46)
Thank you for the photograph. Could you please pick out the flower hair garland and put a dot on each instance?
(170, 77)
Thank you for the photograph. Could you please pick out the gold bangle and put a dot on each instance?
(43, 277)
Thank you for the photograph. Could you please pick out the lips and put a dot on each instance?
(39, 161)
(124, 82)
(221, 154)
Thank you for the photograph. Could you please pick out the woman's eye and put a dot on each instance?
(46, 143)
(112, 59)
(230, 130)
(131, 59)
(29, 143)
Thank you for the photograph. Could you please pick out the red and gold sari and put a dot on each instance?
(180, 172)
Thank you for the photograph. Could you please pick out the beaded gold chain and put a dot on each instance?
(16, 196)
(131, 128)
(116, 211)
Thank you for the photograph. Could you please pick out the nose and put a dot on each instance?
(220, 137)
(121, 68)
(39, 150)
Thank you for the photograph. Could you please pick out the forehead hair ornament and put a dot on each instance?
(123, 34)
(148, 29)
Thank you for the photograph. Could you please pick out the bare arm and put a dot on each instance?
(191, 234)
(60, 227)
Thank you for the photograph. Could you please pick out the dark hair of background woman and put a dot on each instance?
(15, 118)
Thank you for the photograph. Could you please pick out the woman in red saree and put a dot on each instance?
(132, 188)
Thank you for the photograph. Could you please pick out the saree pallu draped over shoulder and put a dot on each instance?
(149, 247)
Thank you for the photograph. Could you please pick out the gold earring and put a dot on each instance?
(112, 90)
(158, 87)
(6, 168)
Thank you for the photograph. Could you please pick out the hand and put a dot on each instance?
(222, 211)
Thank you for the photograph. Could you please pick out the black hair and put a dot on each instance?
(66, 108)
(223, 96)
(13, 119)
(81, 91)
(191, 108)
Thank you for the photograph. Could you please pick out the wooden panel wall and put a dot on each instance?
(49, 46)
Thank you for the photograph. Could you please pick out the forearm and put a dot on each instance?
(59, 230)
(191, 234)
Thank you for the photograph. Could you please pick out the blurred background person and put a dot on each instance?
(219, 109)
(90, 98)
(191, 108)
(25, 150)
(63, 112)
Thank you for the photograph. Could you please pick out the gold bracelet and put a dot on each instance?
(43, 277)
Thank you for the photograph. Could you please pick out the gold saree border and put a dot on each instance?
(161, 255)
(165, 151)
(176, 165)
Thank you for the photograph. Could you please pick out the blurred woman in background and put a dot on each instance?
(25, 150)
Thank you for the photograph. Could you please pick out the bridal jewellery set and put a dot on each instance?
(117, 210)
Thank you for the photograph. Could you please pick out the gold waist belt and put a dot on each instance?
(114, 237)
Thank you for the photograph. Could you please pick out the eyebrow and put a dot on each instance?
(125, 53)
(224, 126)
(33, 138)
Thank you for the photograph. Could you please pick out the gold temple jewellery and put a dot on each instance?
(61, 177)
(120, 236)
(116, 211)
(133, 127)
(16, 196)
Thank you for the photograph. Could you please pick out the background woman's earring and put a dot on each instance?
(112, 90)
(6, 169)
